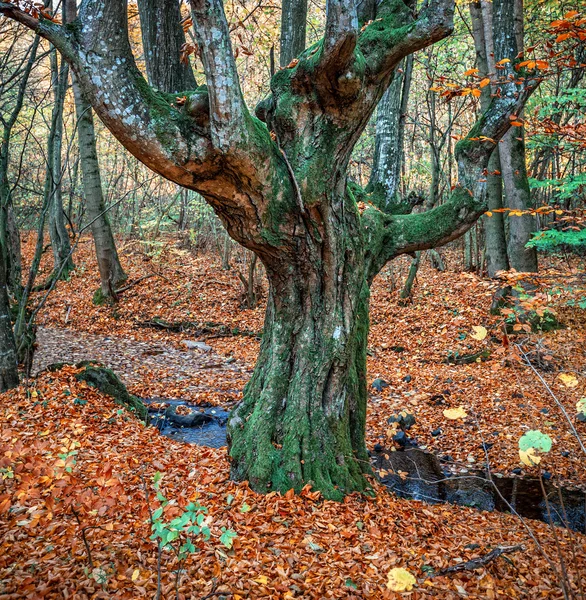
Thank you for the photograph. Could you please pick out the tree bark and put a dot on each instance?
(293, 30)
(513, 165)
(303, 415)
(162, 40)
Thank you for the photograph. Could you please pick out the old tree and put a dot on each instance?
(278, 181)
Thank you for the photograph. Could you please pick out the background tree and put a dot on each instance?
(281, 189)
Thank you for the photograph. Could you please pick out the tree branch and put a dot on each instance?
(341, 32)
(144, 121)
(227, 107)
(396, 33)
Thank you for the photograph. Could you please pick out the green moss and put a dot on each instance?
(100, 299)
(107, 382)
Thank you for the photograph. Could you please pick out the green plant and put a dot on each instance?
(178, 534)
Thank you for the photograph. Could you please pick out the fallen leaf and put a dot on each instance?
(455, 413)
(400, 580)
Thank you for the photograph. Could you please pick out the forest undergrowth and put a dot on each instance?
(78, 498)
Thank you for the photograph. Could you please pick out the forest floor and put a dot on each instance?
(287, 546)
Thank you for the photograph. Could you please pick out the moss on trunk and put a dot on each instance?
(302, 419)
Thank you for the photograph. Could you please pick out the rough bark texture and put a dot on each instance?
(494, 226)
(390, 131)
(162, 39)
(512, 159)
(293, 30)
(286, 197)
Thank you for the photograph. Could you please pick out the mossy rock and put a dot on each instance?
(107, 382)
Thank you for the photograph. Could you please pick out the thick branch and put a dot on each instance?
(405, 234)
(341, 31)
(147, 123)
(395, 33)
(227, 106)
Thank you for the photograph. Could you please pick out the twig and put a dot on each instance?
(476, 563)
(291, 175)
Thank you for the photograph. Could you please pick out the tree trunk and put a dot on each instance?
(63, 262)
(162, 40)
(390, 133)
(494, 226)
(303, 414)
(293, 30)
(8, 362)
(111, 271)
(514, 170)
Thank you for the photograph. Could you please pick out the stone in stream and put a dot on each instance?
(379, 384)
(193, 419)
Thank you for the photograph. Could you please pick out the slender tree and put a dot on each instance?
(111, 271)
(293, 30)
(389, 139)
(286, 196)
(494, 226)
(63, 261)
(513, 162)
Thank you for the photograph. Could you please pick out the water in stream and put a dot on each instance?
(410, 473)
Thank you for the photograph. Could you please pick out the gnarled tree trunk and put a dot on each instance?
(303, 414)
(279, 183)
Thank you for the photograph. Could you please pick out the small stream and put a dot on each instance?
(413, 473)
(410, 473)
(204, 426)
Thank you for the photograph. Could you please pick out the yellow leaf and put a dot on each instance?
(44, 433)
(503, 61)
(135, 574)
(479, 332)
(568, 380)
(476, 93)
(455, 413)
(484, 82)
(471, 72)
(488, 213)
(263, 580)
(529, 457)
(400, 580)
